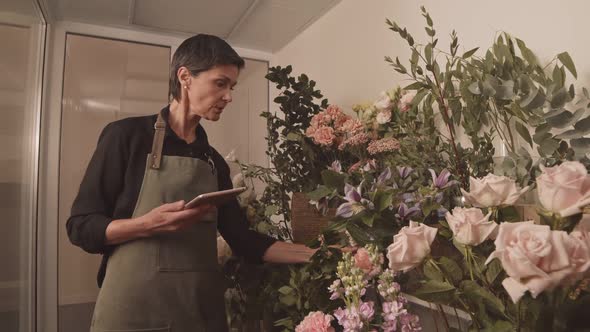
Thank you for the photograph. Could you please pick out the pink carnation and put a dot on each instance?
(351, 127)
(315, 321)
(324, 136)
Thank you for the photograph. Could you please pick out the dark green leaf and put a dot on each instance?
(434, 290)
(452, 269)
(475, 291)
(469, 53)
(271, 210)
(583, 125)
(494, 268)
(415, 86)
(581, 145)
(383, 200)
(333, 179)
(428, 53)
(524, 132)
(559, 98)
(292, 136)
(568, 63)
(432, 273)
(320, 192)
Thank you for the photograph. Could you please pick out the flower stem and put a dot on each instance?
(468, 260)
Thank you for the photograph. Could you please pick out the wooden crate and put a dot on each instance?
(306, 222)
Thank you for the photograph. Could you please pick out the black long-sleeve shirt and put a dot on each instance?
(111, 185)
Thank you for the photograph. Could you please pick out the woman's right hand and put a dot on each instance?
(166, 218)
(172, 217)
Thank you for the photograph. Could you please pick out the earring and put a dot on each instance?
(185, 87)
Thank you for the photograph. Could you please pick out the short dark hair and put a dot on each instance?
(198, 54)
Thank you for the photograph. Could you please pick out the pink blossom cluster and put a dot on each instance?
(316, 321)
(332, 127)
(387, 144)
(354, 318)
(369, 260)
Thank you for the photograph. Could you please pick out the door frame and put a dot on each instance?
(47, 249)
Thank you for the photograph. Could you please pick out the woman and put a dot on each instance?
(159, 270)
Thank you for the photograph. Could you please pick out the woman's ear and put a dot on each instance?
(184, 77)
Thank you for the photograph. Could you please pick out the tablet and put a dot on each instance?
(215, 197)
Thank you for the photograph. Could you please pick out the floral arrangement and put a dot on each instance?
(358, 276)
(421, 194)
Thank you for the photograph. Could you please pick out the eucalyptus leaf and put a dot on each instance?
(561, 120)
(533, 100)
(523, 131)
(583, 125)
(469, 53)
(581, 146)
(474, 88)
(505, 91)
(568, 63)
(559, 98)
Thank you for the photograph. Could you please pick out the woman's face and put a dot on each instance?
(210, 91)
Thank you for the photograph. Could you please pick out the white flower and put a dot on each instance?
(383, 117)
(470, 226)
(384, 102)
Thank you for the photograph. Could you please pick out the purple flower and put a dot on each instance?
(354, 202)
(353, 199)
(403, 212)
(367, 310)
(384, 176)
(349, 319)
(410, 323)
(442, 180)
(404, 171)
(336, 167)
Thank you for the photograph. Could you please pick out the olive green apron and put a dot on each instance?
(168, 282)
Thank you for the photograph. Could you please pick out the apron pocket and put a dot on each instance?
(180, 256)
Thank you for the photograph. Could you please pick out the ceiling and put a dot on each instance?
(264, 25)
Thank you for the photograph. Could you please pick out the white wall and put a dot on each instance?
(343, 51)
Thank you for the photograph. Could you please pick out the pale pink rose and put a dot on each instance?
(580, 254)
(383, 117)
(410, 246)
(534, 257)
(564, 189)
(324, 136)
(470, 226)
(384, 102)
(492, 190)
(405, 102)
(315, 321)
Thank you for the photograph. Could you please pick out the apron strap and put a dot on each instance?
(156, 155)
